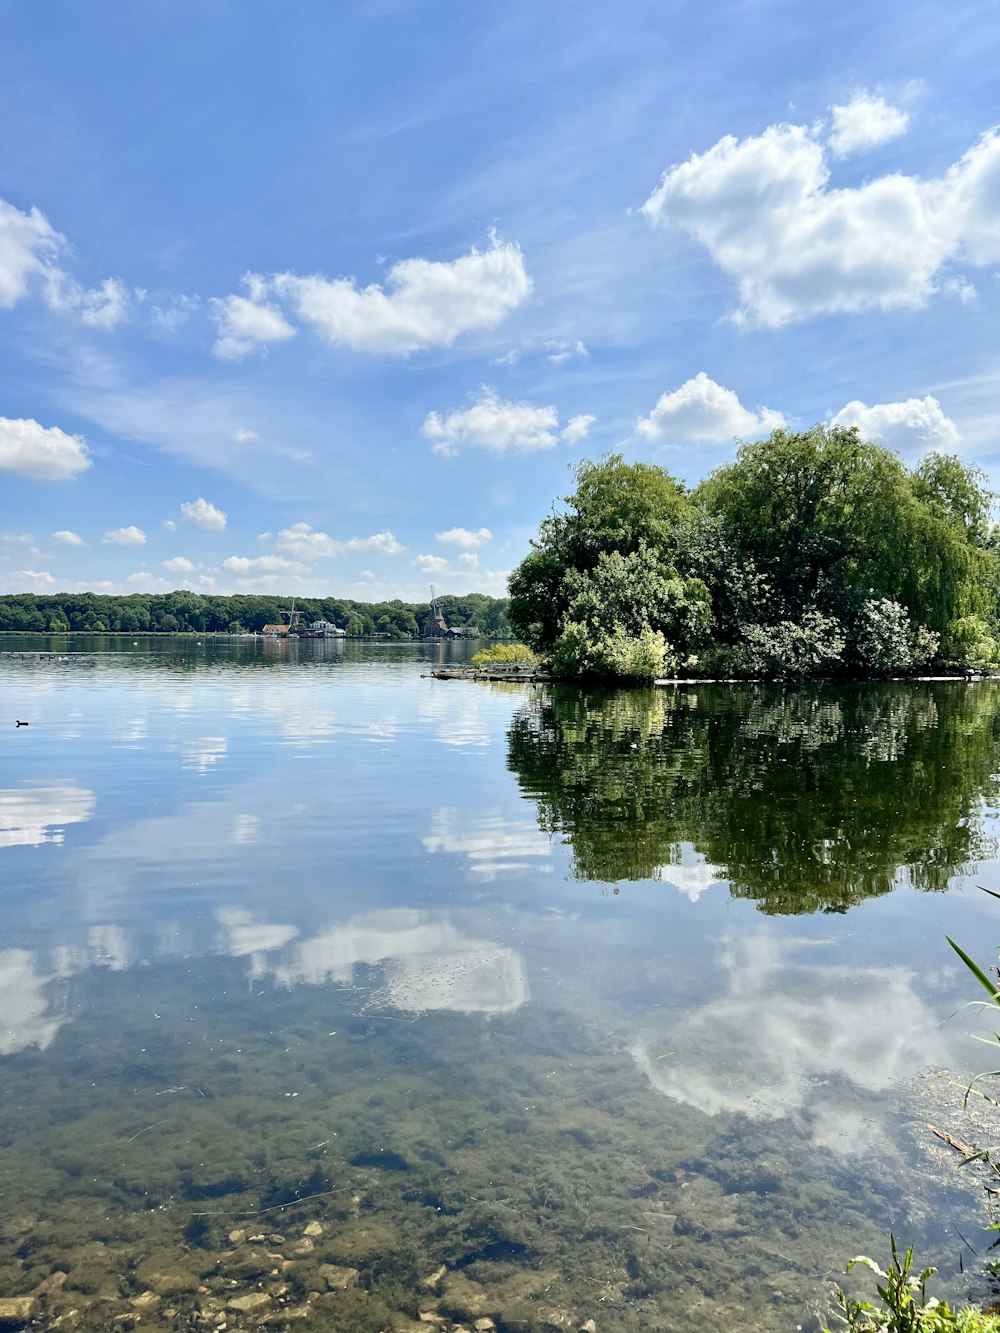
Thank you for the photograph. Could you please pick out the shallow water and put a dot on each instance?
(629, 1006)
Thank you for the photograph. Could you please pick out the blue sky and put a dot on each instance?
(326, 298)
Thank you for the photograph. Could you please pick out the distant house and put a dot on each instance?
(274, 630)
(327, 630)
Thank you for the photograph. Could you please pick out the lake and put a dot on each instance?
(332, 995)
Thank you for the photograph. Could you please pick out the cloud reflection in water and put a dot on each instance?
(429, 963)
(30, 816)
(786, 1029)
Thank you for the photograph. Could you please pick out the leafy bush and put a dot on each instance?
(792, 650)
(635, 593)
(516, 653)
(969, 643)
(642, 656)
(883, 641)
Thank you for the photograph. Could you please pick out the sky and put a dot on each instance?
(328, 299)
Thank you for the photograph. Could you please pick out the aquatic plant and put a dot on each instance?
(903, 1304)
(516, 653)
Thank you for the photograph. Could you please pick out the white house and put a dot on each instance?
(326, 630)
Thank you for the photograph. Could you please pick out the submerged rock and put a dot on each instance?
(16, 1310)
(254, 1300)
(338, 1277)
(146, 1300)
(313, 1229)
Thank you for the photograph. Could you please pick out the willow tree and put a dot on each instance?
(831, 520)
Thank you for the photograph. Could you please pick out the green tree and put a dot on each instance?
(617, 508)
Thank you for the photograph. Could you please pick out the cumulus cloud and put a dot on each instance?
(28, 246)
(561, 352)
(865, 122)
(170, 317)
(577, 428)
(493, 423)
(431, 564)
(204, 514)
(263, 564)
(703, 412)
(242, 435)
(43, 453)
(464, 539)
(30, 580)
(141, 581)
(27, 243)
(246, 323)
(105, 306)
(425, 303)
(180, 564)
(130, 536)
(302, 540)
(763, 209)
(67, 538)
(909, 427)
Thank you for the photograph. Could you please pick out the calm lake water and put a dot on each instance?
(321, 976)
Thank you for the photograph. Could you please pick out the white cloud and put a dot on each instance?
(130, 536)
(104, 307)
(67, 538)
(468, 561)
(909, 427)
(246, 324)
(431, 564)
(170, 317)
(577, 428)
(28, 245)
(27, 242)
(763, 209)
(382, 543)
(464, 539)
(302, 540)
(960, 287)
(29, 580)
(204, 514)
(263, 564)
(180, 564)
(865, 122)
(44, 453)
(425, 303)
(141, 581)
(242, 435)
(561, 352)
(491, 422)
(703, 412)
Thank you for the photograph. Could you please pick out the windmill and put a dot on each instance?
(438, 624)
(293, 616)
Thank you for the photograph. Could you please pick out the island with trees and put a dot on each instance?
(815, 554)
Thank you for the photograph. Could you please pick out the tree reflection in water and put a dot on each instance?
(807, 799)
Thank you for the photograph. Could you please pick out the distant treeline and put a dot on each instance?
(174, 612)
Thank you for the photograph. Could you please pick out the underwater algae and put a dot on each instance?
(285, 1159)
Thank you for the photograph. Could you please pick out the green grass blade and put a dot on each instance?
(975, 969)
